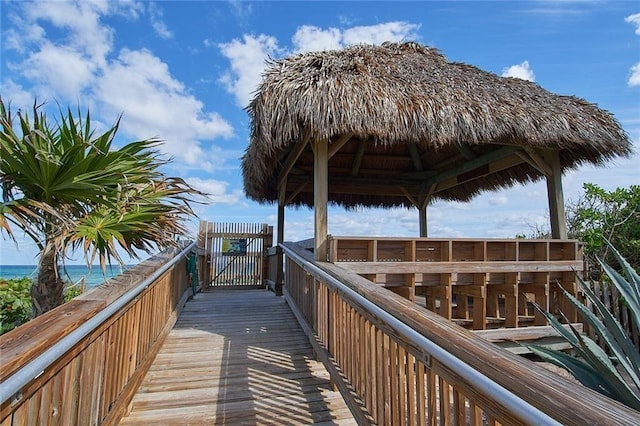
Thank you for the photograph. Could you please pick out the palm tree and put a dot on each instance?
(67, 189)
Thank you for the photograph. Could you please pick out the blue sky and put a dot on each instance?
(185, 70)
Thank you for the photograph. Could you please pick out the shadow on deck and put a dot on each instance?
(237, 357)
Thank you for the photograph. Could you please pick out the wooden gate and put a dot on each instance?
(233, 254)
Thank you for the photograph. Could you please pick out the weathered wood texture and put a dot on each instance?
(515, 339)
(609, 295)
(320, 197)
(92, 383)
(222, 267)
(237, 357)
(400, 383)
(478, 284)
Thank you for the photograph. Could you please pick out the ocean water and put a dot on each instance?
(71, 273)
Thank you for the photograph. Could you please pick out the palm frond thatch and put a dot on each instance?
(395, 95)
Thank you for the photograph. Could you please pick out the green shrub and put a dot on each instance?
(15, 303)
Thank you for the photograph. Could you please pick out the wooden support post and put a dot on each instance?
(423, 220)
(281, 203)
(556, 196)
(422, 209)
(279, 255)
(267, 243)
(202, 254)
(320, 197)
(280, 239)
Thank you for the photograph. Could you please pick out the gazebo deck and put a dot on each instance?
(237, 357)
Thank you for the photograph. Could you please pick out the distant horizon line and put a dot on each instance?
(67, 264)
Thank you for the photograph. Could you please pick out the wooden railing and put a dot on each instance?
(82, 362)
(274, 272)
(396, 363)
(476, 283)
(609, 295)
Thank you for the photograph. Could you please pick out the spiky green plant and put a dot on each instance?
(68, 188)
(616, 371)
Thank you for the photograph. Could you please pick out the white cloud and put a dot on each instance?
(499, 199)
(247, 56)
(156, 104)
(309, 38)
(28, 33)
(15, 95)
(634, 20)
(64, 69)
(522, 71)
(634, 76)
(158, 25)
(240, 9)
(634, 72)
(217, 190)
(378, 34)
(78, 66)
(85, 32)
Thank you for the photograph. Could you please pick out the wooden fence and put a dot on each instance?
(233, 254)
(611, 298)
(82, 362)
(397, 363)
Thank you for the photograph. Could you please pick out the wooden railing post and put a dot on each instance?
(266, 246)
(279, 271)
(82, 362)
(394, 361)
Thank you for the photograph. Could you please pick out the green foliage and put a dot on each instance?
(71, 291)
(615, 372)
(15, 303)
(68, 189)
(601, 216)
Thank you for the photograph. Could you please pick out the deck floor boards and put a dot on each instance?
(237, 357)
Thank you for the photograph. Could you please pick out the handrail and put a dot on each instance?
(519, 407)
(360, 326)
(11, 387)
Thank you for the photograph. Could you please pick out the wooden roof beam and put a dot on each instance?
(424, 200)
(339, 143)
(466, 151)
(423, 197)
(357, 161)
(415, 156)
(498, 165)
(535, 160)
(476, 163)
(293, 156)
(410, 197)
(417, 182)
(295, 192)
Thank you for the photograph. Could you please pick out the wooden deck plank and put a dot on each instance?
(237, 357)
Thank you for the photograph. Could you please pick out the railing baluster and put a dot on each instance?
(88, 373)
(418, 375)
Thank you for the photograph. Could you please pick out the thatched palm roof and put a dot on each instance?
(415, 126)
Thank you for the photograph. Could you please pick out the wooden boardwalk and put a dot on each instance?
(237, 357)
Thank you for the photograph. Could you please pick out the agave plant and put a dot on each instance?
(615, 372)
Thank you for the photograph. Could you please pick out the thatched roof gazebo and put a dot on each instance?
(400, 125)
